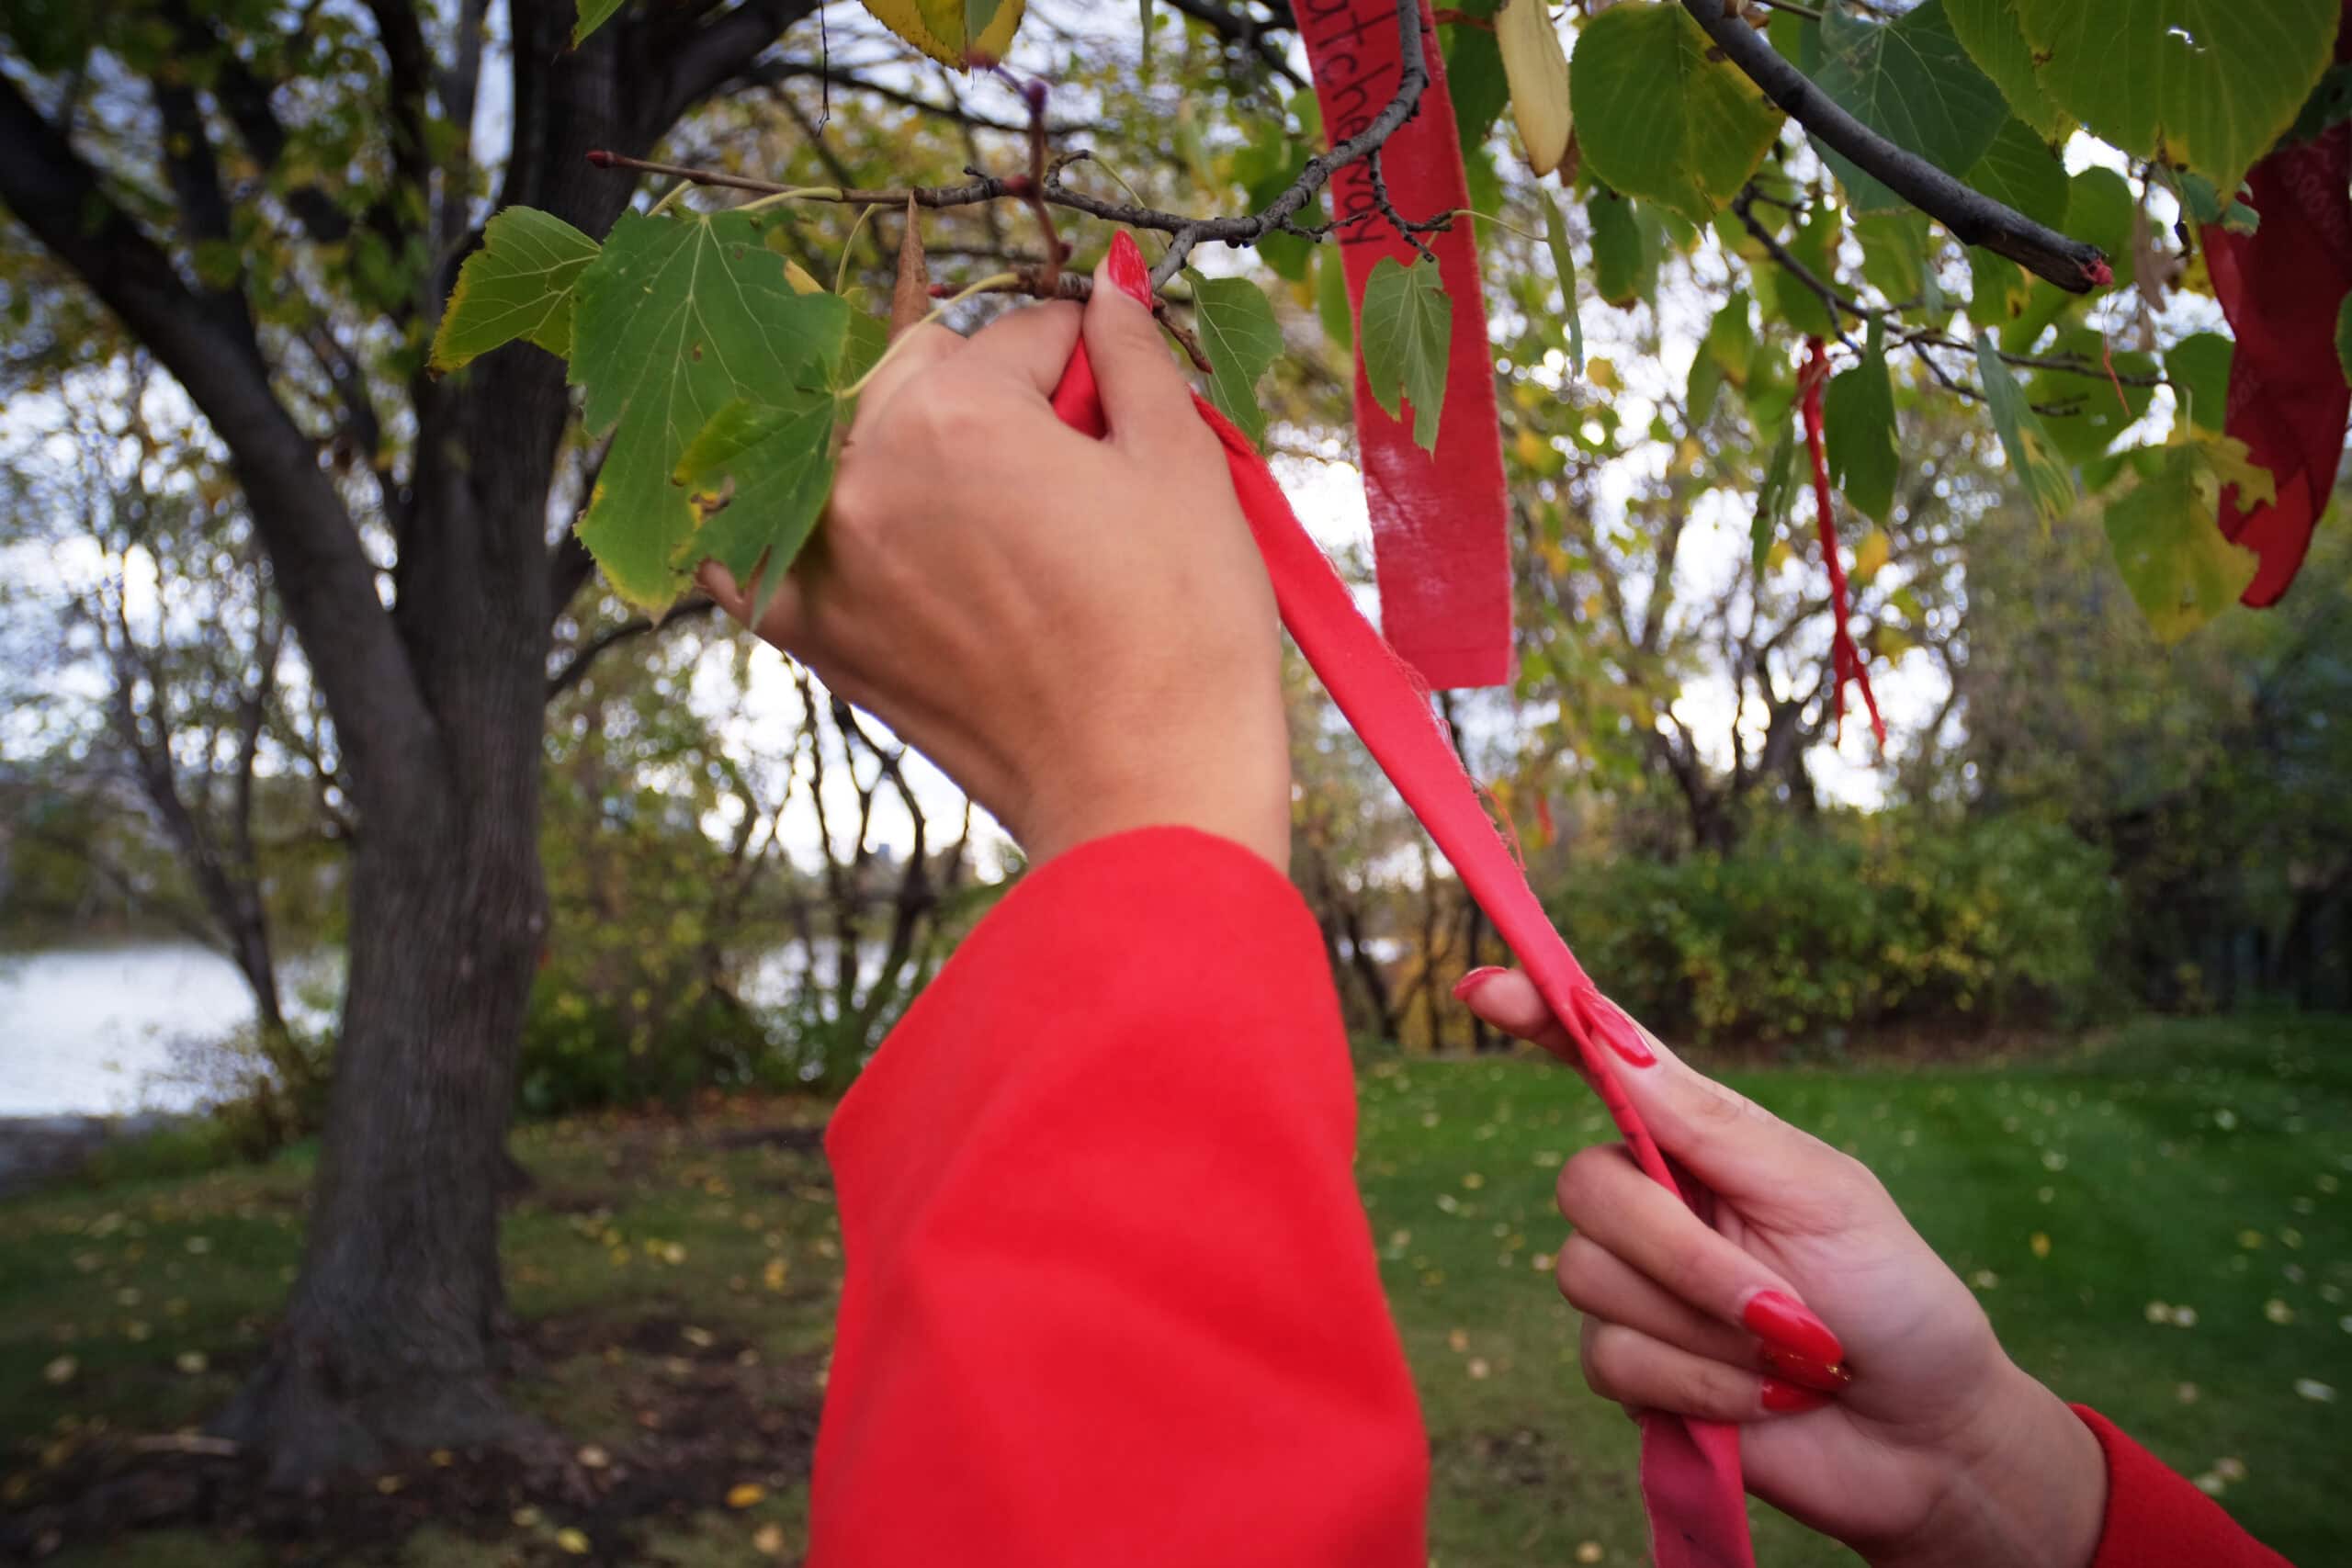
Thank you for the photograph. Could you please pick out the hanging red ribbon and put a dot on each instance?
(1690, 1477)
(2280, 288)
(1845, 658)
(1440, 523)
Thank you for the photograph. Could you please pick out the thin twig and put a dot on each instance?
(1975, 218)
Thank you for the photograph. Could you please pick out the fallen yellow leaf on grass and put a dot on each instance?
(572, 1541)
(769, 1540)
(743, 1494)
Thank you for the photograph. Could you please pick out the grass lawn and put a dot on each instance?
(677, 1284)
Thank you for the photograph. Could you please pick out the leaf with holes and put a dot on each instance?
(518, 285)
(1910, 81)
(2166, 539)
(1406, 330)
(1660, 115)
(757, 476)
(678, 318)
(2211, 83)
(1241, 338)
(2049, 486)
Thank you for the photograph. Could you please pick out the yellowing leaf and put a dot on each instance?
(1660, 115)
(518, 285)
(2165, 532)
(744, 1493)
(943, 29)
(572, 1541)
(1537, 70)
(676, 319)
(2049, 485)
(1870, 556)
(2211, 83)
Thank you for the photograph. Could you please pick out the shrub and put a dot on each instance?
(1855, 921)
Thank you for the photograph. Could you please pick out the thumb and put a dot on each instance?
(1742, 1151)
(1144, 396)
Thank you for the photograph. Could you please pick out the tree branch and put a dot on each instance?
(569, 673)
(1974, 218)
(323, 576)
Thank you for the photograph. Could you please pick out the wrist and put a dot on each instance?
(2025, 1485)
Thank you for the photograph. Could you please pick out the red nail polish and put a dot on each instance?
(1609, 1023)
(1476, 978)
(1804, 1371)
(1128, 272)
(1777, 1317)
(1787, 1399)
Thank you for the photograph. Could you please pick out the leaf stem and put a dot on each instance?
(1477, 217)
(841, 273)
(994, 280)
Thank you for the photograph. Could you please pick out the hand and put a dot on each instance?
(1928, 1446)
(1078, 632)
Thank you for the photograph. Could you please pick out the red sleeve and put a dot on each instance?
(1111, 1293)
(2155, 1518)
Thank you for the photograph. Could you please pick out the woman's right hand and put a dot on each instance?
(1927, 1445)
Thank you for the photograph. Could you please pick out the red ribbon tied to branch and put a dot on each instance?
(1690, 1478)
(1439, 523)
(1845, 658)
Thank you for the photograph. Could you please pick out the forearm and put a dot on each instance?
(1111, 1293)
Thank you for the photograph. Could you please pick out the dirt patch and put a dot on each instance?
(709, 1416)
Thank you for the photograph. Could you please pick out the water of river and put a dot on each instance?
(93, 1031)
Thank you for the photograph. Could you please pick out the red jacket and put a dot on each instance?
(1111, 1294)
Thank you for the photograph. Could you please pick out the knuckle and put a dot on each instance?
(1581, 1176)
(1579, 1267)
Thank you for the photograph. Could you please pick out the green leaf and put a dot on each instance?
(1910, 81)
(1473, 76)
(1331, 301)
(676, 319)
(1772, 498)
(1989, 29)
(2198, 368)
(1998, 288)
(757, 476)
(2099, 417)
(2343, 338)
(2167, 540)
(1660, 115)
(1724, 355)
(2020, 169)
(1239, 334)
(593, 14)
(1408, 330)
(2048, 485)
(1857, 419)
(2211, 83)
(1895, 254)
(2329, 105)
(1624, 251)
(1564, 267)
(1813, 244)
(518, 285)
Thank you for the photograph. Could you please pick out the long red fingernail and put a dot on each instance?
(1780, 1317)
(1476, 978)
(1787, 1399)
(1615, 1028)
(1803, 1369)
(1128, 272)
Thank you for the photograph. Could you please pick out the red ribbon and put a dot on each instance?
(1690, 1478)
(2280, 288)
(1845, 658)
(1440, 523)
